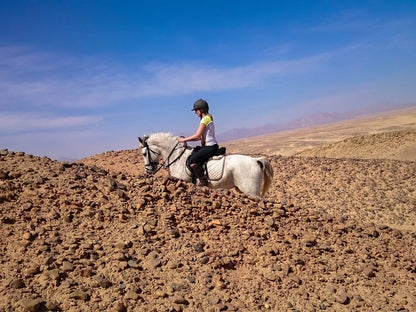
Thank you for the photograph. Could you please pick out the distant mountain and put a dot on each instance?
(303, 122)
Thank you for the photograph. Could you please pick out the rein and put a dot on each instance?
(163, 164)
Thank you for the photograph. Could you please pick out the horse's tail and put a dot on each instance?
(267, 173)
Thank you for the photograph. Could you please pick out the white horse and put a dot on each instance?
(252, 176)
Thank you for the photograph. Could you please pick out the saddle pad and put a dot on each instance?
(215, 167)
(188, 172)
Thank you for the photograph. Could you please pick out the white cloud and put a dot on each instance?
(281, 49)
(24, 122)
(34, 79)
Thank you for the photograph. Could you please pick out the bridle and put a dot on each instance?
(155, 166)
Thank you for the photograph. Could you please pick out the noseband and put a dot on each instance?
(165, 163)
(153, 164)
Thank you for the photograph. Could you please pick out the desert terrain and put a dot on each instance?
(288, 143)
(336, 231)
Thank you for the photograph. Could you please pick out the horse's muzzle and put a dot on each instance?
(151, 168)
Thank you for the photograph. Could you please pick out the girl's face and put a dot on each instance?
(198, 113)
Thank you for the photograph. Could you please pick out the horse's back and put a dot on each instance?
(242, 160)
(251, 175)
(242, 166)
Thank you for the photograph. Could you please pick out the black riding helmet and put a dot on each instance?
(201, 104)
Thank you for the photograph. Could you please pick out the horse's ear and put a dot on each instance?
(143, 140)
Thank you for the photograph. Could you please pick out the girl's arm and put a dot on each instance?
(199, 135)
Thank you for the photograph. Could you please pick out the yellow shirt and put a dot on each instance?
(209, 133)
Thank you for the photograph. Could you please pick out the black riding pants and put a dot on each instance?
(202, 155)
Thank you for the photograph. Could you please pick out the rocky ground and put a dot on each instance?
(400, 145)
(98, 235)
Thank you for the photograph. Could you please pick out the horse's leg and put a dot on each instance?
(247, 176)
(250, 185)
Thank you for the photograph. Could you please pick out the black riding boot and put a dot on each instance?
(200, 174)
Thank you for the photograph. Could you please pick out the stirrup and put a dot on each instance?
(203, 182)
(200, 174)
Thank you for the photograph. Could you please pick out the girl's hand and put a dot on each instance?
(181, 140)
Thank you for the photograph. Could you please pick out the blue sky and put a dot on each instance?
(84, 77)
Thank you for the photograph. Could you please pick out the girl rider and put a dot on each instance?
(205, 134)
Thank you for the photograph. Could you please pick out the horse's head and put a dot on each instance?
(151, 155)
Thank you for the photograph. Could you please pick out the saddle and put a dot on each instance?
(221, 151)
(213, 167)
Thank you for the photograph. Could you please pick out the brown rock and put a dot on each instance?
(53, 274)
(309, 241)
(31, 305)
(119, 307)
(51, 306)
(286, 269)
(79, 295)
(27, 236)
(160, 294)
(32, 271)
(269, 275)
(133, 264)
(155, 262)
(120, 256)
(103, 282)
(342, 298)
(213, 300)
(179, 299)
(67, 266)
(3, 175)
(368, 272)
(131, 295)
(269, 221)
(17, 283)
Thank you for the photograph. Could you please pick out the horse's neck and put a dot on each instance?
(178, 168)
(167, 149)
(172, 150)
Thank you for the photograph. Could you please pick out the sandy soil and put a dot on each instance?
(400, 145)
(332, 234)
(288, 143)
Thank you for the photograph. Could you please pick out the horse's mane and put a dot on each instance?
(161, 139)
